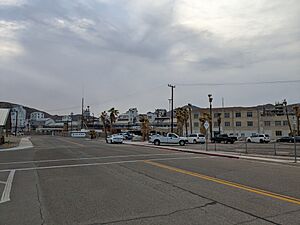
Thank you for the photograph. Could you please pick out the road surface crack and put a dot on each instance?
(201, 196)
(40, 205)
(159, 215)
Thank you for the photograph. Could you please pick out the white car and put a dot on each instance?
(115, 138)
(259, 138)
(196, 138)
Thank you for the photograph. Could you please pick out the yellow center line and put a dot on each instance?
(228, 183)
(72, 142)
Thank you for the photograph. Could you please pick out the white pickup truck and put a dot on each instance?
(170, 138)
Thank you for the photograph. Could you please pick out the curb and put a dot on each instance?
(185, 150)
(270, 160)
(25, 143)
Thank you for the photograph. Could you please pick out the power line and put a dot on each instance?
(239, 83)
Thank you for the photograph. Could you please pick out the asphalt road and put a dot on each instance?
(77, 181)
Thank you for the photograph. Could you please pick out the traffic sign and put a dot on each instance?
(206, 125)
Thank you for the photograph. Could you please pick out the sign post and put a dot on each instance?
(206, 126)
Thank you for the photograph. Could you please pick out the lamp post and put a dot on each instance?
(287, 116)
(172, 106)
(210, 99)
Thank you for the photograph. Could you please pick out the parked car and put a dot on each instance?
(170, 138)
(285, 139)
(223, 138)
(259, 138)
(136, 137)
(115, 138)
(196, 138)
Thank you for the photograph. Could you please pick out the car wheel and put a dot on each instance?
(226, 142)
(194, 142)
(156, 142)
(261, 141)
(181, 143)
(249, 141)
(111, 141)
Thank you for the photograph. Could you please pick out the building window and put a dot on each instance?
(216, 124)
(249, 114)
(285, 123)
(216, 115)
(278, 133)
(227, 124)
(238, 124)
(267, 123)
(227, 115)
(250, 123)
(196, 124)
(196, 116)
(238, 114)
(277, 123)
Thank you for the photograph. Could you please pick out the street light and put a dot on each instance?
(210, 99)
(287, 115)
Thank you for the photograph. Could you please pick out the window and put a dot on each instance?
(278, 133)
(267, 123)
(196, 116)
(216, 124)
(277, 123)
(285, 123)
(216, 115)
(238, 114)
(227, 124)
(196, 124)
(250, 123)
(227, 115)
(238, 124)
(249, 114)
(242, 134)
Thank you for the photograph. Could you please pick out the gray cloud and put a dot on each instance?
(124, 53)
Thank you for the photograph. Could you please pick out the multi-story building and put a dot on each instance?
(245, 121)
(36, 116)
(18, 118)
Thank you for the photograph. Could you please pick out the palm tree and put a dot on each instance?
(179, 114)
(103, 118)
(186, 116)
(113, 115)
(145, 126)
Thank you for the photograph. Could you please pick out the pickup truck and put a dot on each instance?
(170, 138)
(223, 138)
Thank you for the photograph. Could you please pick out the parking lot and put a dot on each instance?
(88, 182)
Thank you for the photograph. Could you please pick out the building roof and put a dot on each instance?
(4, 113)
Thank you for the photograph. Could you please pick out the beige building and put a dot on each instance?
(245, 121)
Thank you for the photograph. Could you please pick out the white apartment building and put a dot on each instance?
(36, 116)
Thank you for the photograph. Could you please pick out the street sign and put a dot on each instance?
(206, 125)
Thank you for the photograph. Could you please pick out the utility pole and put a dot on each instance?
(172, 106)
(82, 104)
(287, 116)
(71, 121)
(16, 127)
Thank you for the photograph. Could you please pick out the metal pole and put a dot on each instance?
(206, 141)
(295, 149)
(215, 146)
(16, 127)
(172, 106)
(275, 153)
(246, 146)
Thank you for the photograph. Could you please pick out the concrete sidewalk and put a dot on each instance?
(276, 159)
(25, 143)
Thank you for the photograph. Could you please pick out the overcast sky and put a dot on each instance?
(123, 53)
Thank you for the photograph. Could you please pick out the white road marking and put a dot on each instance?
(6, 193)
(99, 164)
(90, 158)
(2, 182)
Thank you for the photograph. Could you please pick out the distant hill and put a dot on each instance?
(9, 105)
